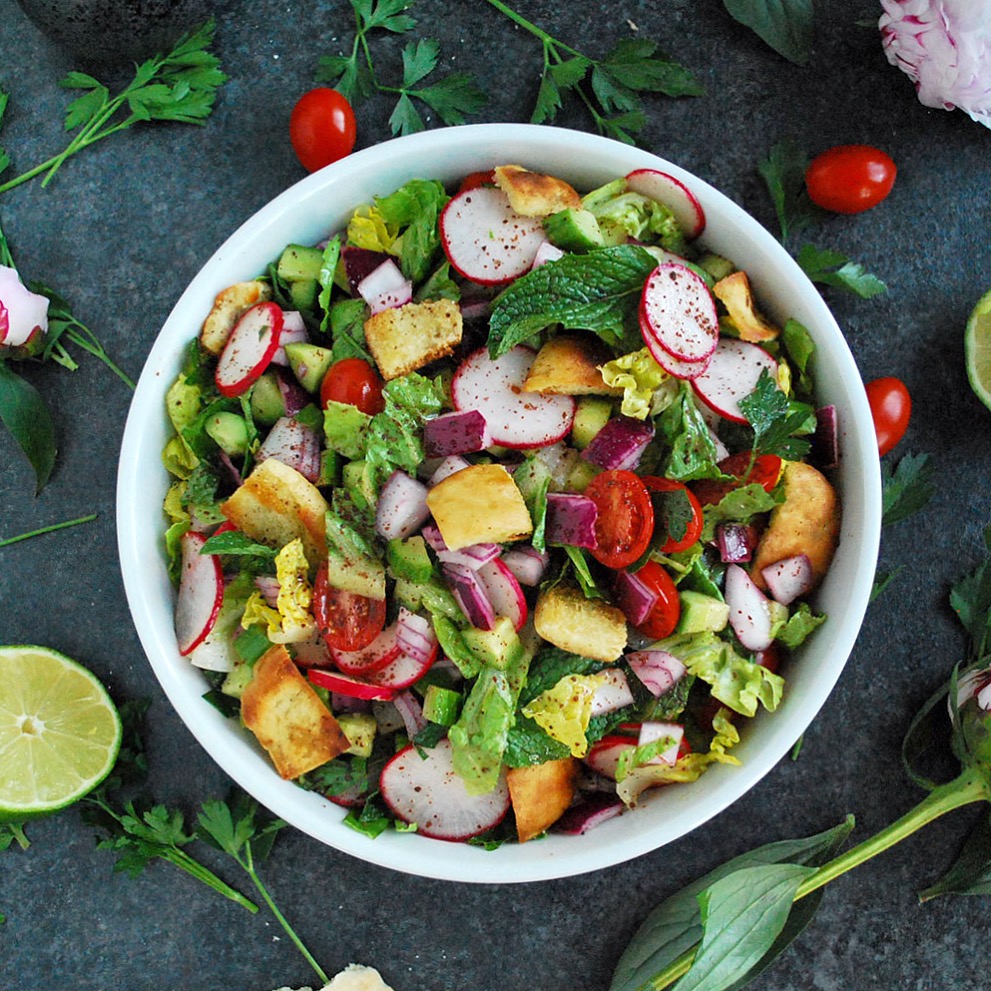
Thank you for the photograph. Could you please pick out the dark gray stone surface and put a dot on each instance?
(124, 227)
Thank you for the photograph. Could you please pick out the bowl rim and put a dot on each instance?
(310, 208)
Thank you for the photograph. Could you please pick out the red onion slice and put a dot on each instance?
(410, 709)
(385, 287)
(634, 597)
(402, 507)
(592, 811)
(789, 578)
(527, 563)
(415, 636)
(294, 444)
(620, 443)
(470, 595)
(658, 670)
(571, 519)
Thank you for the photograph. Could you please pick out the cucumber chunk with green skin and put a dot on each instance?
(591, 415)
(573, 230)
(230, 433)
(309, 363)
(499, 647)
(408, 558)
(267, 404)
(701, 613)
(298, 261)
(304, 294)
(359, 728)
(441, 705)
(717, 266)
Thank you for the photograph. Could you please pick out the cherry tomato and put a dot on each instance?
(891, 408)
(322, 128)
(850, 178)
(346, 620)
(625, 520)
(355, 382)
(475, 179)
(664, 616)
(692, 526)
(765, 472)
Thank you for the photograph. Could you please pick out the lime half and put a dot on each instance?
(59, 731)
(977, 349)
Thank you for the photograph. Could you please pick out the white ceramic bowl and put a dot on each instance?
(306, 213)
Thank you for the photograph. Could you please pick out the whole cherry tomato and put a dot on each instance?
(688, 529)
(322, 128)
(354, 382)
(850, 178)
(891, 408)
(625, 520)
(346, 620)
(664, 616)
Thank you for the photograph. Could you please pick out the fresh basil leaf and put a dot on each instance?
(971, 872)
(598, 291)
(785, 25)
(906, 488)
(26, 416)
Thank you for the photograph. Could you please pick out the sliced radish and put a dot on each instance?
(421, 787)
(503, 591)
(527, 563)
(485, 239)
(679, 312)
(674, 194)
(749, 611)
(350, 685)
(592, 811)
(201, 592)
(517, 419)
(383, 650)
(215, 652)
(658, 670)
(402, 507)
(603, 755)
(249, 349)
(789, 578)
(732, 375)
(651, 731)
(673, 366)
(404, 670)
(614, 693)
(294, 444)
(293, 332)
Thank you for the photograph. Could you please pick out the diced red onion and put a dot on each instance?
(294, 444)
(402, 507)
(571, 519)
(293, 332)
(459, 432)
(825, 441)
(385, 287)
(620, 443)
(736, 542)
(358, 263)
(546, 252)
(658, 670)
(473, 556)
(448, 466)
(416, 637)
(634, 597)
(412, 712)
(475, 309)
(294, 396)
(527, 563)
(789, 578)
(470, 595)
(269, 587)
(614, 693)
(387, 717)
(592, 811)
(651, 731)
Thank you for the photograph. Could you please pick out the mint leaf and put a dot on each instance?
(785, 25)
(833, 268)
(906, 488)
(598, 292)
(26, 416)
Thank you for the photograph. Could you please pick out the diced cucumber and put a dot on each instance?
(441, 705)
(345, 428)
(267, 404)
(499, 647)
(359, 728)
(236, 680)
(581, 474)
(309, 363)
(299, 261)
(330, 467)
(700, 613)
(230, 432)
(408, 558)
(304, 294)
(591, 415)
(717, 266)
(573, 230)
(357, 478)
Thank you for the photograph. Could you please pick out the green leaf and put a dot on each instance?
(783, 172)
(832, 268)
(387, 15)
(776, 419)
(599, 292)
(570, 72)
(453, 97)
(237, 543)
(419, 60)
(785, 25)
(624, 127)
(675, 926)
(83, 109)
(971, 872)
(906, 488)
(405, 118)
(632, 67)
(349, 76)
(26, 416)
(548, 100)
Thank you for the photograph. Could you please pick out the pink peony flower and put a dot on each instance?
(22, 312)
(944, 46)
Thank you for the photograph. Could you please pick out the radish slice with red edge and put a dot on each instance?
(789, 578)
(516, 419)
(674, 194)
(651, 732)
(603, 755)
(527, 563)
(732, 375)
(749, 611)
(293, 332)
(503, 591)
(249, 349)
(350, 685)
(381, 651)
(612, 694)
(679, 312)
(591, 811)
(673, 366)
(201, 592)
(421, 787)
(485, 239)
(405, 669)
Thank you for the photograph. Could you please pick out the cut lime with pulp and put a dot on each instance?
(977, 349)
(59, 732)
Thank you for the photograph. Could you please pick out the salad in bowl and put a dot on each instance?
(503, 508)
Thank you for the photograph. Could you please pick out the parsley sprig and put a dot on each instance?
(179, 86)
(610, 88)
(451, 97)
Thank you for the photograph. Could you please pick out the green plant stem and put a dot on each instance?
(181, 859)
(48, 529)
(971, 786)
(97, 351)
(537, 32)
(249, 865)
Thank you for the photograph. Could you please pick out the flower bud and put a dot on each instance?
(971, 718)
(23, 314)
(944, 46)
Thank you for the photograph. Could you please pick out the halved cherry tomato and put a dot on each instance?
(346, 620)
(475, 179)
(322, 128)
(766, 472)
(691, 529)
(850, 178)
(664, 616)
(355, 382)
(625, 520)
(891, 408)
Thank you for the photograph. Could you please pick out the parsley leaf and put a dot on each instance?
(785, 25)
(776, 419)
(833, 268)
(906, 488)
(783, 172)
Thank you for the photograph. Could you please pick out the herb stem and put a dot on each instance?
(970, 786)
(48, 529)
(97, 351)
(537, 32)
(182, 860)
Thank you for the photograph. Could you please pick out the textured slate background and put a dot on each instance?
(121, 231)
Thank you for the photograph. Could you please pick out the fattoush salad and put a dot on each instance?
(499, 507)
